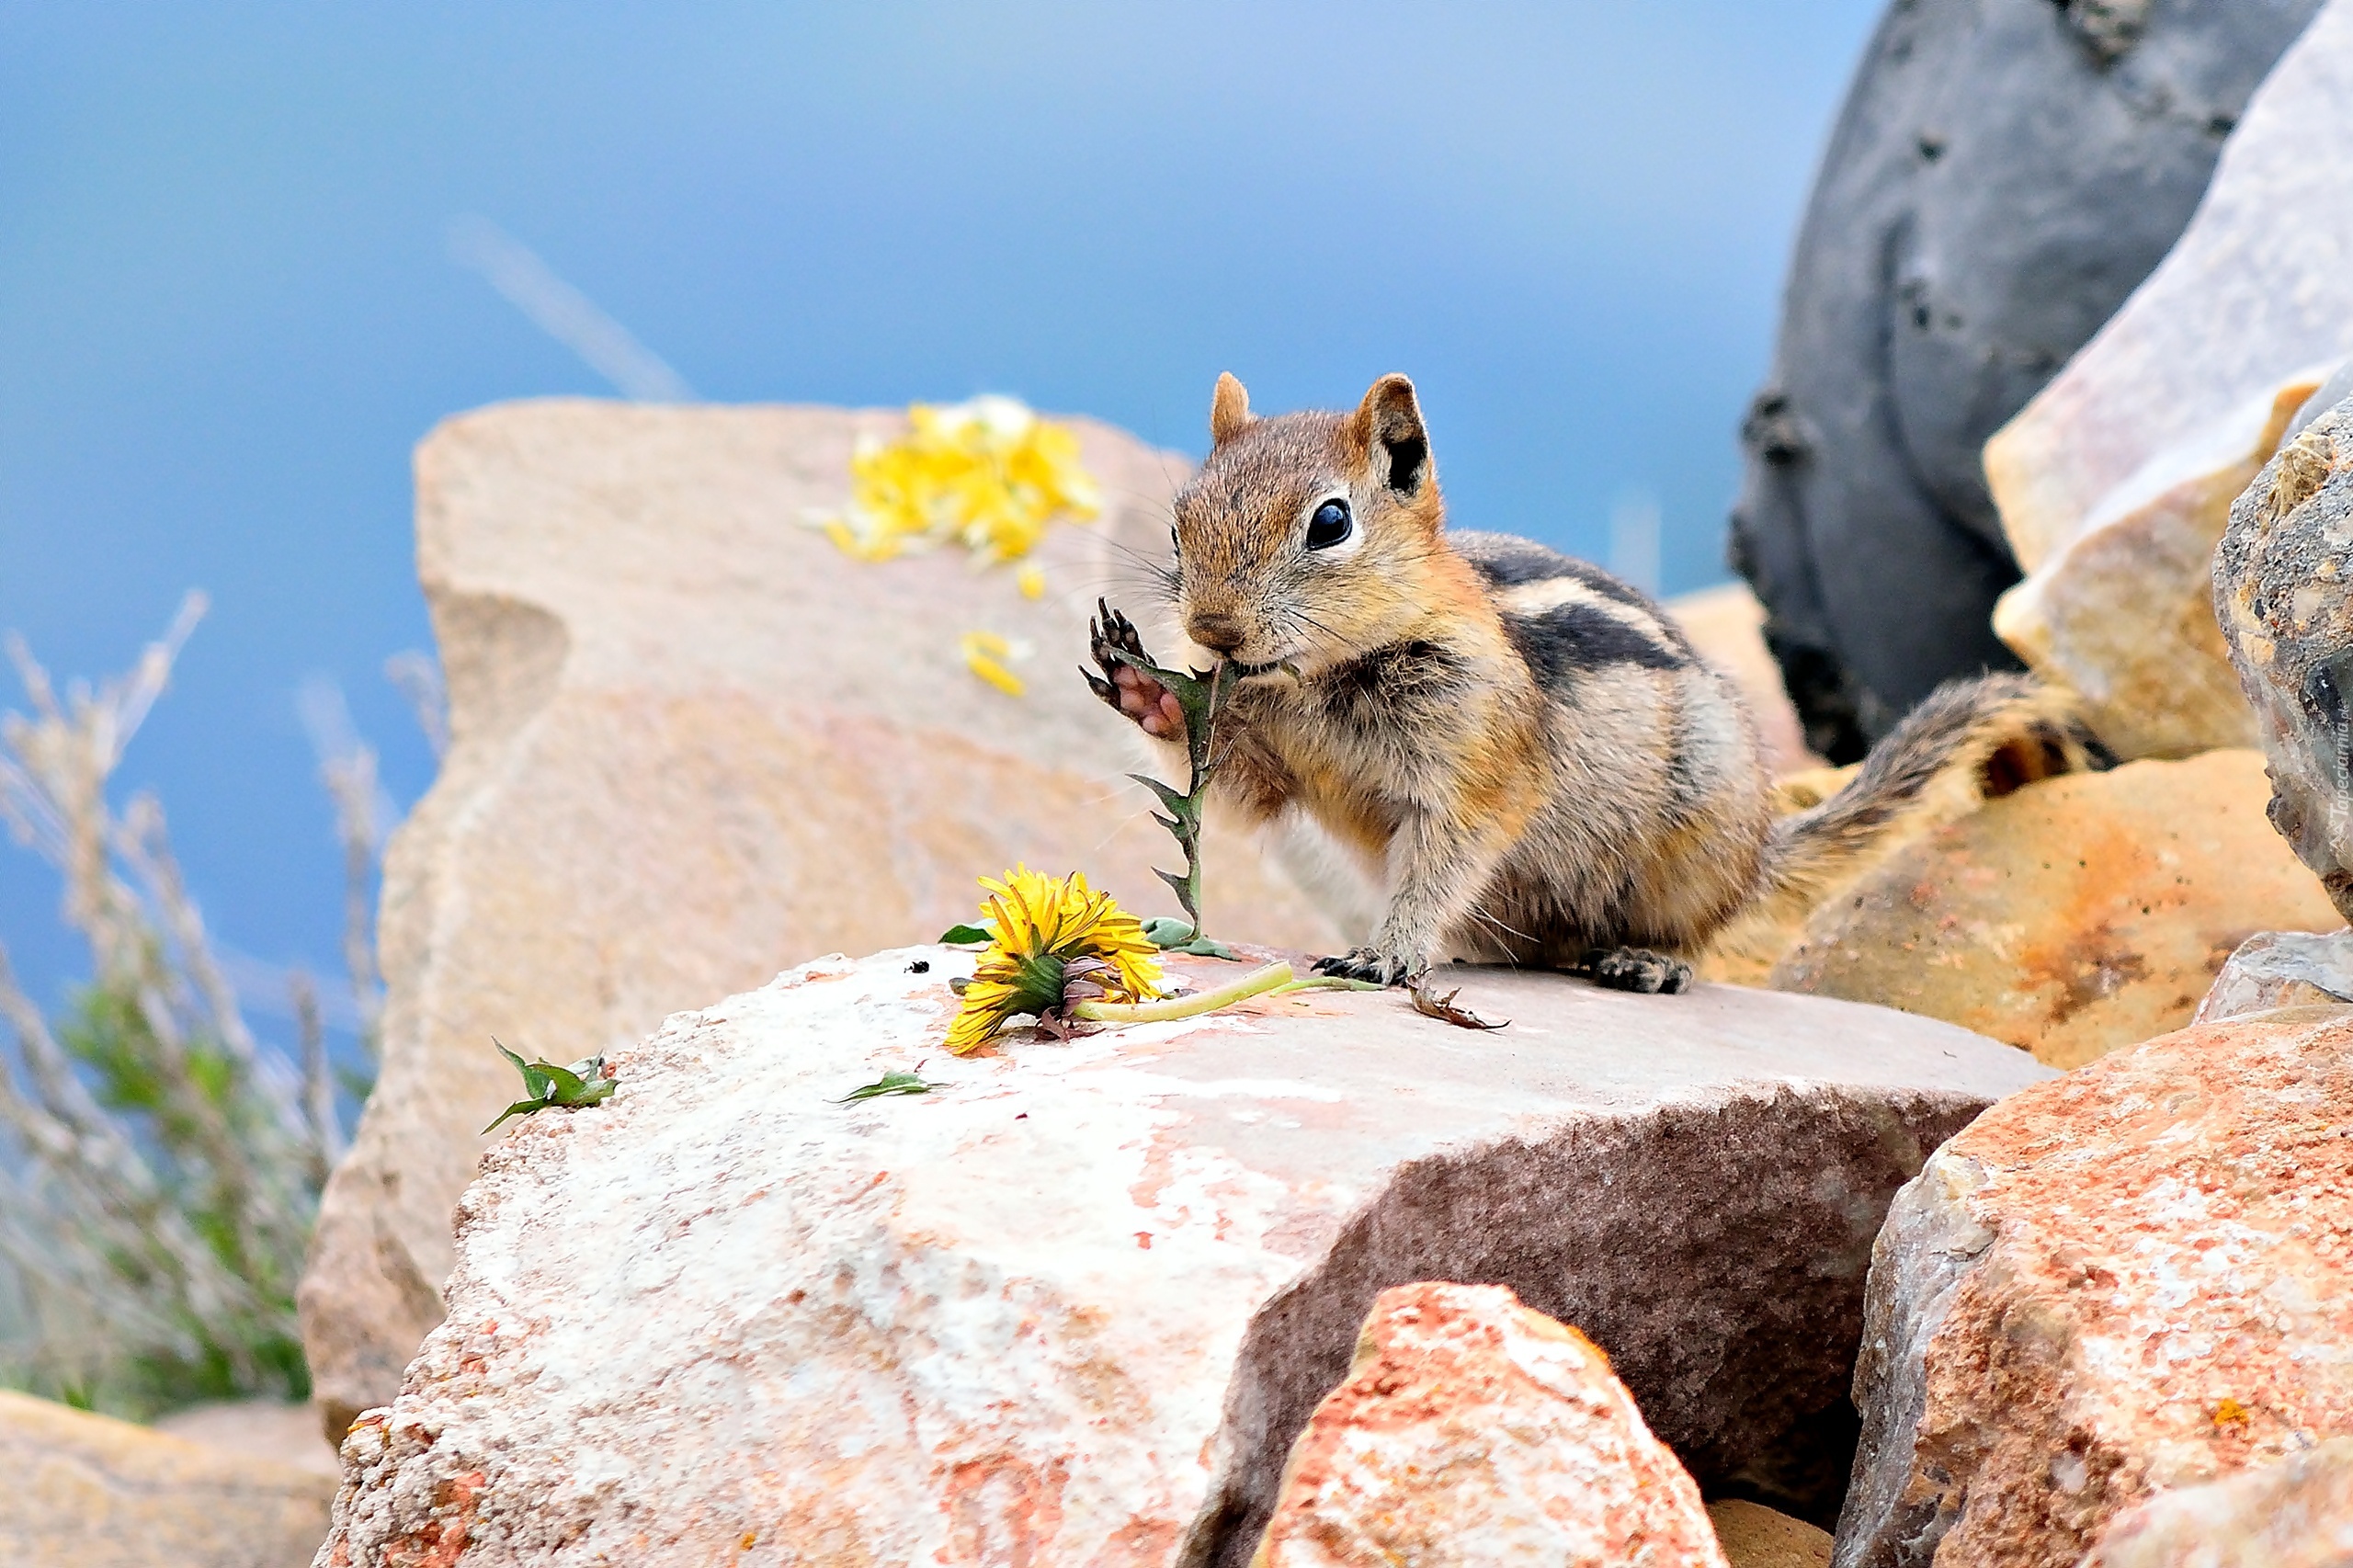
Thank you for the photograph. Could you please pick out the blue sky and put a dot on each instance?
(228, 306)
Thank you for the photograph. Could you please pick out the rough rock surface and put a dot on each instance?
(1727, 625)
(2136, 1278)
(2072, 916)
(2003, 174)
(2281, 577)
(1753, 1535)
(2123, 466)
(2297, 1513)
(694, 743)
(87, 1492)
(2281, 969)
(1076, 1305)
(1473, 1431)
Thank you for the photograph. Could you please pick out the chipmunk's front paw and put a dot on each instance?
(1143, 699)
(1638, 970)
(1371, 963)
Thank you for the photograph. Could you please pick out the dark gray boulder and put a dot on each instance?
(2003, 174)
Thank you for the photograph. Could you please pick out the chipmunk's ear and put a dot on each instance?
(1229, 410)
(1389, 419)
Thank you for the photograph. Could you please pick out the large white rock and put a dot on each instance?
(693, 744)
(2116, 481)
(1074, 1306)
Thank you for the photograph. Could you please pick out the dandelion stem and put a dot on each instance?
(1176, 1007)
(1328, 983)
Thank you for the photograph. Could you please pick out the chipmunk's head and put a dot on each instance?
(1304, 540)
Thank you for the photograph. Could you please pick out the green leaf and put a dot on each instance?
(562, 1084)
(956, 935)
(1167, 931)
(520, 1107)
(1207, 948)
(597, 1093)
(535, 1081)
(1174, 800)
(892, 1083)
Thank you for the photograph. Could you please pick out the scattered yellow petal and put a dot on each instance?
(1031, 581)
(985, 653)
(2231, 1413)
(988, 474)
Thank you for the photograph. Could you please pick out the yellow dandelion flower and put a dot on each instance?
(1031, 581)
(988, 474)
(1055, 940)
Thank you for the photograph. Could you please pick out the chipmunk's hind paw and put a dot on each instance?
(1638, 970)
(1368, 963)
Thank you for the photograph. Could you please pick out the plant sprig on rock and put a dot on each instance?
(583, 1083)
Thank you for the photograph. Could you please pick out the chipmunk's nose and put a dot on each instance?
(1218, 632)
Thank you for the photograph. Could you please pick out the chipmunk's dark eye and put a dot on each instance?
(1329, 526)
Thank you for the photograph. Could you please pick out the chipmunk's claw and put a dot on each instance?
(1637, 970)
(1369, 963)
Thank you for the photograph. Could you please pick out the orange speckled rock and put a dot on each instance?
(1472, 1430)
(2134, 1277)
(2075, 915)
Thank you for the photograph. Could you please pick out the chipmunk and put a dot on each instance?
(1528, 752)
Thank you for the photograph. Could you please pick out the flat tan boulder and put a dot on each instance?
(2297, 1513)
(1473, 1431)
(2072, 916)
(1753, 1535)
(2116, 481)
(2134, 1278)
(1074, 1304)
(694, 743)
(89, 1492)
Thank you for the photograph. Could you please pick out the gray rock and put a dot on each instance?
(2279, 593)
(2004, 172)
(2281, 969)
(1074, 1305)
(2295, 1513)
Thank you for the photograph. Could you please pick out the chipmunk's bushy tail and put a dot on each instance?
(1968, 740)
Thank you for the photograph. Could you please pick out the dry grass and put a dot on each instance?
(164, 1168)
